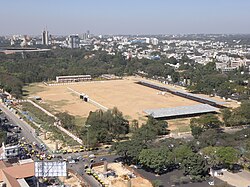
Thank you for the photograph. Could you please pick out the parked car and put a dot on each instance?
(103, 159)
(72, 161)
(92, 156)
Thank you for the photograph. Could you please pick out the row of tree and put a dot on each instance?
(103, 127)
(230, 117)
(210, 149)
(237, 116)
(161, 156)
(18, 69)
(208, 80)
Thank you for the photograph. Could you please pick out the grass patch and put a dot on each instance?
(181, 129)
(37, 113)
(33, 89)
(47, 106)
(46, 123)
(58, 103)
(80, 121)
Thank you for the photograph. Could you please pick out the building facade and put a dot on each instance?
(73, 41)
(45, 37)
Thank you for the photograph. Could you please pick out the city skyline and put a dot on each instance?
(129, 17)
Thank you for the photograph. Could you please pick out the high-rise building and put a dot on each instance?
(154, 41)
(73, 41)
(88, 33)
(84, 36)
(45, 37)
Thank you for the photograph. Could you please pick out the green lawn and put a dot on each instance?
(80, 121)
(32, 89)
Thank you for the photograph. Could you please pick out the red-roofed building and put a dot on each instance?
(10, 174)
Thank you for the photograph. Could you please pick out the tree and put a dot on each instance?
(209, 137)
(203, 123)
(196, 130)
(181, 153)
(195, 166)
(134, 125)
(227, 155)
(157, 159)
(244, 110)
(3, 136)
(129, 150)
(210, 121)
(117, 124)
(146, 134)
(237, 116)
(210, 154)
(226, 114)
(247, 150)
(161, 127)
(105, 126)
(220, 156)
(67, 120)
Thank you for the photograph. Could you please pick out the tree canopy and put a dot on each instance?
(104, 126)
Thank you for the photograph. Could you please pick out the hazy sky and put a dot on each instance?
(124, 16)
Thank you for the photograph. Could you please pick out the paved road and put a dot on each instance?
(240, 179)
(79, 168)
(27, 131)
(166, 178)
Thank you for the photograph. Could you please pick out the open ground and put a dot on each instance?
(126, 95)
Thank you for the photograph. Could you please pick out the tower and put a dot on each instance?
(88, 33)
(73, 41)
(45, 37)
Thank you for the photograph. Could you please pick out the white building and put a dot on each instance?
(154, 41)
(9, 151)
(73, 41)
(73, 78)
(45, 37)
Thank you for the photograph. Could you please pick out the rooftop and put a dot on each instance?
(180, 111)
(11, 173)
(178, 92)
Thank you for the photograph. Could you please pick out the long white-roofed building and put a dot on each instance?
(73, 78)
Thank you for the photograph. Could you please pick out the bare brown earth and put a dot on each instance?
(120, 180)
(128, 97)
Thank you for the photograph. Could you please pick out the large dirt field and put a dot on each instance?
(128, 97)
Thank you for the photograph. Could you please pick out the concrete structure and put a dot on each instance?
(110, 76)
(15, 175)
(73, 78)
(186, 95)
(45, 37)
(73, 41)
(9, 151)
(181, 111)
(154, 41)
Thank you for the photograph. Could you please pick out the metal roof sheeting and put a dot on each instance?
(183, 93)
(180, 111)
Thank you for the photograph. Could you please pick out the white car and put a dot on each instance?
(72, 161)
(92, 156)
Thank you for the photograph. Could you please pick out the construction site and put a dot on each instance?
(118, 175)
